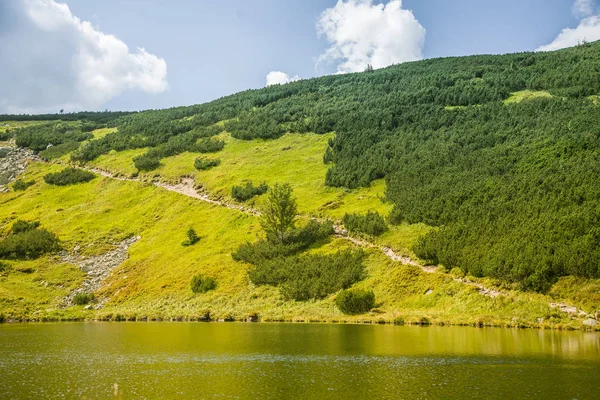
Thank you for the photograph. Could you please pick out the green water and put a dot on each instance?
(294, 361)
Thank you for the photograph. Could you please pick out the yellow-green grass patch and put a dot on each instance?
(517, 97)
(100, 133)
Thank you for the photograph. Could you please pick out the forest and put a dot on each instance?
(510, 185)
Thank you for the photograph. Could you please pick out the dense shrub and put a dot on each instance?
(208, 146)
(69, 176)
(39, 137)
(298, 240)
(248, 191)
(90, 126)
(203, 284)
(355, 301)
(310, 276)
(6, 135)
(370, 223)
(302, 277)
(59, 150)
(20, 185)
(81, 299)
(146, 162)
(4, 153)
(28, 245)
(21, 226)
(202, 163)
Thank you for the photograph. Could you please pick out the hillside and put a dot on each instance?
(484, 165)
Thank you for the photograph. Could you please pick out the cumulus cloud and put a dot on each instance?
(51, 60)
(584, 8)
(361, 33)
(587, 30)
(280, 78)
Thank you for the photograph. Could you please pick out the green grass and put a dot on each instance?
(525, 95)
(100, 133)
(294, 158)
(453, 108)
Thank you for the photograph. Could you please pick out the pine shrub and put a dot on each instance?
(203, 284)
(355, 301)
(69, 176)
(202, 163)
(370, 223)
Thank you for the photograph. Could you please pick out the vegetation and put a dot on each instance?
(192, 238)
(310, 276)
(4, 153)
(355, 301)
(176, 145)
(26, 241)
(298, 240)
(279, 213)
(370, 223)
(20, 185)
(202, 164)
(101, 117)
(81, 299)
(154, 281)
(39, 137)
(4, 267)
(5, 135)
(69, 176)
(203, 284)
(146, 163)
(248, 191)
(59, 150)
(21, 226)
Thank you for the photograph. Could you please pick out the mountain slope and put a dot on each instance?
(499, 154)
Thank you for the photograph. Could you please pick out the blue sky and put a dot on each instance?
(211, 49)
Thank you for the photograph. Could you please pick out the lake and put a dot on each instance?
(294, 361)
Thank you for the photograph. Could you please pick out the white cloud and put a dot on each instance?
(53, 60)
(280, 78)
(584, 8)
(587, 30)
(362, 33)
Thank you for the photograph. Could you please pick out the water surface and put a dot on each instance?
(294, 361)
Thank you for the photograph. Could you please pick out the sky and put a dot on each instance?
(148, 54)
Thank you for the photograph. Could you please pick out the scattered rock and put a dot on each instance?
(590, 322)
(565, 308)
(97, 269)
(12, 164)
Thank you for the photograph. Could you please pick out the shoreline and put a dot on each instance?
(379, 321)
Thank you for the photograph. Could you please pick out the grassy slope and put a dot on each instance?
(294, 158)
(154, 281)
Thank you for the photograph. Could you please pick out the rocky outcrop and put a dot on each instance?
(13, 161)
(97, 269)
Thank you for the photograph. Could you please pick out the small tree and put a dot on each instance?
(279, 213)
(193, 238)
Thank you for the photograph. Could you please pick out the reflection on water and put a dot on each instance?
(248, 361)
